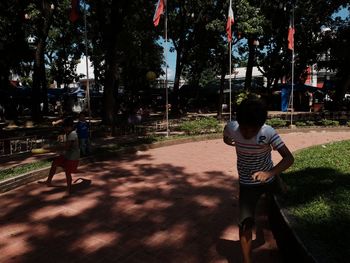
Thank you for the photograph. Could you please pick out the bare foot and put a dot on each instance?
(46, 183)
(67, 194)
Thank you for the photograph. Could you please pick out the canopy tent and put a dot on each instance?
(298, 89)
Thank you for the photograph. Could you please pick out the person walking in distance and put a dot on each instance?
(254, 141)
(83, 129)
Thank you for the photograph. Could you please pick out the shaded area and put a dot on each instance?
(261, 251)
(317, 207)
(135, 210)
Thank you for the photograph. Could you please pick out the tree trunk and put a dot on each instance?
(111, 80)
(37, 81)
(44, 91)
(112, 64)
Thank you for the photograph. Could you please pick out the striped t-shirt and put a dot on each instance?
(253, 154)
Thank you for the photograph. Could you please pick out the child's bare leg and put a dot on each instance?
(69, 182)
(52, 172)
(245, 235)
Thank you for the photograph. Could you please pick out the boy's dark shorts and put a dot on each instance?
(69, 166)
(249, 196)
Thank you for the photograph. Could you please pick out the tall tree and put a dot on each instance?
(14, 48)
(183, 16)
(195, 38)
(124, 30)
(209, 55)
(40, 13)
(65, 45)
(339, 51)
(310, 17)
(250, 23)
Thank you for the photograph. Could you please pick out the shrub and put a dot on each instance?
(310, 123)
(326, 122)
(276, 122)
(245, 95)
(200, 126)
(300, 124)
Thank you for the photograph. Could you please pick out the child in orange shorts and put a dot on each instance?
(69, 160)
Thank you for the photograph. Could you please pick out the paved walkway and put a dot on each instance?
(171, 204)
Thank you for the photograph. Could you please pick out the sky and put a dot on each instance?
(343, 13)
(171, 59)
(81, 68)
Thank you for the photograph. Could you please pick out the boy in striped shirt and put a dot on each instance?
(254, 141)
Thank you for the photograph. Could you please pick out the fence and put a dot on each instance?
(18, 145)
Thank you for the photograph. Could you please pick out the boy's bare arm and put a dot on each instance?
(54, 123)
(229, 141)
(284, 164)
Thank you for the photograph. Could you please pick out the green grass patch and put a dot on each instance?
(22, 169)
(319, 199)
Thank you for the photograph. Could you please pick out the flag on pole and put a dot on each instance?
(230, 22)
(159, 12)
(291, 32)
(74, 12)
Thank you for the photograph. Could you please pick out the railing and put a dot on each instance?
(18, 145)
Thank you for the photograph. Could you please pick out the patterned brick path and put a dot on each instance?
(171, 204)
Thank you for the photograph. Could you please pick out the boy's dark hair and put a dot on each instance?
(251, 112)
(68, 122)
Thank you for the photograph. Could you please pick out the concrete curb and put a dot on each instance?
(14, 182)
(312, 129)
(288, 241)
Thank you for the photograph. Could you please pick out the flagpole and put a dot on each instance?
(87, 95)
(230, 61)
(292, 95)
(166, 68)
(230, 55)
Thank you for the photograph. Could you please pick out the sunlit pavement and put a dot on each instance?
(170, 204)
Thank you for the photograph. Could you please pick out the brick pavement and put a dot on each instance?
(170, 204)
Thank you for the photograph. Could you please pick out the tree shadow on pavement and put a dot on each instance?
(135, 210)
(261, 252)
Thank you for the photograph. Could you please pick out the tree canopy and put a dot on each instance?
(40, 44)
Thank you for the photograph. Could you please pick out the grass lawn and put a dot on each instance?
(319, 200)
(22, 169)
